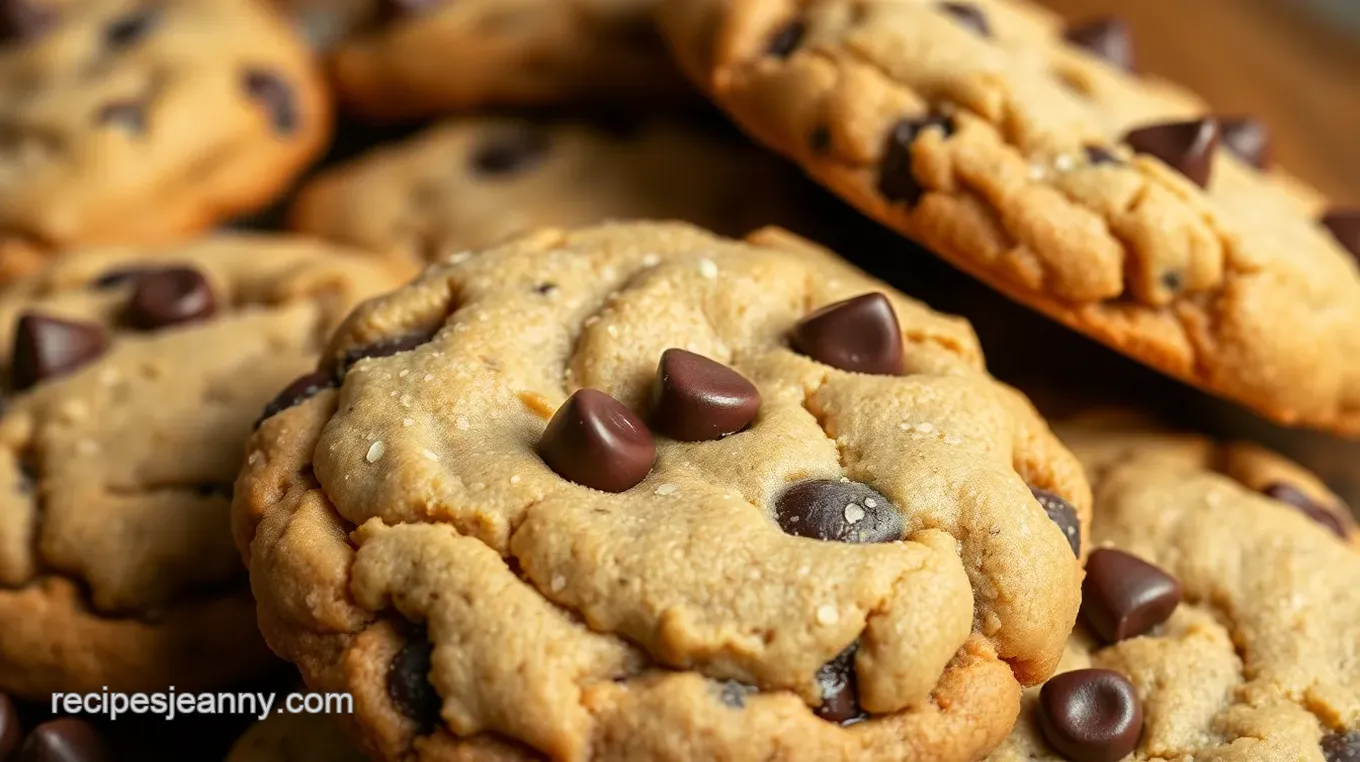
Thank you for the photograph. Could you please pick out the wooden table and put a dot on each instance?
(1262, 57)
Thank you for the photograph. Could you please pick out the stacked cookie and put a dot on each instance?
(526, 423)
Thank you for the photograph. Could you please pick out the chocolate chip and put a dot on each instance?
(1107, 39)
(596, 441)
(1124, 596)
(696, 399)
(1187, 147)
(1338, 747)
(385, 348)
(408, 682)
(1329, 518)
(787, 39)
(64, 740)
(511, 151)
(840, 689)
(23, 20)
(173, 296)
(1344, 225)
(127, 115)
(896, 180)
(48, 347)
(1098, 156)
(1091, 715)
(120, 275)
(270, 91)
(10, 732)
(860, 334)
(296, 393)
(838, 511)
(1062, 513)
(129, 29)
(968, 15)
(1248, 138)
(733, 693)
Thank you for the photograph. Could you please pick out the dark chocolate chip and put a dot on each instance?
(23, 20)
(896, 178)
(838, 511)
(696, 399)
(860, 334)
(408, 682)
(787, 39)
(129, 29)
(1187, 147)
(1098, 155)
(119, 276)
(385, 348)
(1091, 715)
(1248, 138)
(1107, 39)
(968, 15)
(840, 689)
(127, 115)
(1062, 513)
(596, 441)
(511, 151)
(1330, 518)
(10, 732)
(1344, 225)
(64, 740)
(173, 296)
(268, 89)
(1124, 596)
(733, 693)
(48, 347)
(296, 393)
(1338, 747)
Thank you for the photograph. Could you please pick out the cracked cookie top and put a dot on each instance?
(132, 378)
(1028, 155)
(585, 492)
(126, 121)
(1258, 660)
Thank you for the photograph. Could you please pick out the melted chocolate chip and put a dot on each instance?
(385, 348)
(125, 115)
(1062, 513)
(23, 20)
(595, 441)
(170, 297)
(298, 392)
(733, 693)
(1344, 225)
(860, 335)
(840, 689)
(1098, 156)
(511, 151)
(696, 399)
(269, 90)
(1329, 518)
(1187, 147)
(64, 740)
(130, 29)
(10, 731)
(1107, 39)
(48, 347)
(1341, 747)
(408, 682)
(1248, 138)
(787, 39)
(1124, 596)
(896, 179)
(969, 16)
(120, 276)
(1091, 715)
(837, 511)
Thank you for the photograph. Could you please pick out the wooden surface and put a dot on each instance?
(1267, 58)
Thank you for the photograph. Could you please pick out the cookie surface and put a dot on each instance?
(473, 182)
(1056, 177)
(1258, 661)
(409, 541)
(134, 377)
(419, 58)
(132, 122)
(294, 738)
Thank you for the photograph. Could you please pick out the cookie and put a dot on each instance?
(133, 122)
(134, 377)
(1219, 613)
(294, 738)
(644, 492)
(1028, 156)
(417, 58)
(475, 181)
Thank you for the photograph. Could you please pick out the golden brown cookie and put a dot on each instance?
(134, 375)
(1027, 155)
(640, 492)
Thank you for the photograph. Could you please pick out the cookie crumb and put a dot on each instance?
(854, 513)
(375, 451)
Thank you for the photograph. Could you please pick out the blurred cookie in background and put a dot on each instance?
(295, 738)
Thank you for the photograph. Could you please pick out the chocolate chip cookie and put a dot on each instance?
(133, 378)
(1218, 616)
(1029, 156)
(475, 181)
(420, 57)
(655, 494)
(124, 121)
(295, 738)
